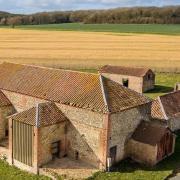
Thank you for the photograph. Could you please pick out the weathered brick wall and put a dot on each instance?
(123, 125)
(48, 135)
(4, 112)
(143, 153)
(135, 83)
(148, 84)
(85, 134)
(174, 123)
(22, 102)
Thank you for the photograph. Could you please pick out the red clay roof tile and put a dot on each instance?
(48, 114)
(131, 71)
(83, 90)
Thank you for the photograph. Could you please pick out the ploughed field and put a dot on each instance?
(72, 49)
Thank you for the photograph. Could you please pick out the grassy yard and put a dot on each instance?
(129, 170)
(117, 28)
(165, 83)
(12, 173)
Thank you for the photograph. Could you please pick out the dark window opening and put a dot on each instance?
(149, 77)
(55, 149)
(76, 155)
(125, 82)
(113, 152)
(6, 132)
(176, 87)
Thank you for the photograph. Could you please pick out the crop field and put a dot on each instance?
(90, 49)
(117, 28)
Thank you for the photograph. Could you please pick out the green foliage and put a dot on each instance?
(165, 83)
(133, 15)
(116, 28)
(10, 172)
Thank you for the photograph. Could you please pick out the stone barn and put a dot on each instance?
(138, 79)
(166, 109)
(177, 86)
(151, 143)
(83, 116)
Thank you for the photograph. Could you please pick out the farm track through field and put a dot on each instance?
(89, 49)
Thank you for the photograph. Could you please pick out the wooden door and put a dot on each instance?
(165, 146)
(55, 148)
(22, 142)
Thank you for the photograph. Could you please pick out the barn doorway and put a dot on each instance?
(125, 82)
(22, 136)
(55, 148)
(113, 152)
(165, 147)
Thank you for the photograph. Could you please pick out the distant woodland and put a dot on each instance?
(136, 15)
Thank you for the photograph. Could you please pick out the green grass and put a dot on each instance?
(129, 170)
(8, 172)
(165, 83)
(118, 28)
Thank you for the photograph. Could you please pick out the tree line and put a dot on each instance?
(135, 15)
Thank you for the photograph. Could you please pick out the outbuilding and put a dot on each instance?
(166, 109)
(37, 135)
(138, 79)
(151, 143)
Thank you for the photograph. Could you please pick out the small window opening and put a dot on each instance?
(125, 82)
(176, 87)
(76, 155)
(149, 76)
(55, 149)
(6, 132)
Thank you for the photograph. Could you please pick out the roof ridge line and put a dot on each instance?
(50, 68)
(162, 108)
(104, 92)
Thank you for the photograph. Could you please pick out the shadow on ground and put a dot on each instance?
(171, 163)
(161, 89)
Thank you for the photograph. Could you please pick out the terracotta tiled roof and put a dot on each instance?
(149, 133)
(131, 71)
(83, 90)
(171, 103)
(48, 114)
(120, 98)
(156, 111)
(4, 101)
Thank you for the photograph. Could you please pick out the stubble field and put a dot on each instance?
(90, 49)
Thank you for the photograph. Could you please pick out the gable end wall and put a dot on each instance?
(123, 125)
